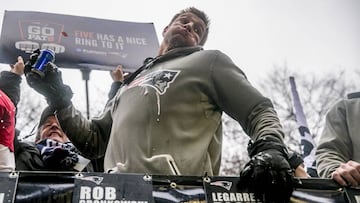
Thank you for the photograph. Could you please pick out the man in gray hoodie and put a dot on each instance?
(166, 116)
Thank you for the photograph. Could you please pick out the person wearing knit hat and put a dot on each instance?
(56, 150)
(48, 127)
(50, 138)
(52, 149)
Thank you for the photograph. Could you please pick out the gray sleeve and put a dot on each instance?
(334, 146)
(89, 136)
(234, 94)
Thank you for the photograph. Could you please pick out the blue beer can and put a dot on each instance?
(46, 56)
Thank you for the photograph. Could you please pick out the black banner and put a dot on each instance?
(8, 183)
(225, 190)
(78, 42)
(173, 189)
(109, 188)
(60, 187)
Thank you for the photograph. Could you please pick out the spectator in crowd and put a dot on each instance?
(51, 151)
(338, 155)
(26, 156)
(166, 117)
(9, 98)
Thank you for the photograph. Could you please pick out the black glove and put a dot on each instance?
(268, 173)
(48, 83)
(32, 59)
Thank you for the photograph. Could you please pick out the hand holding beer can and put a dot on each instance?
(46, 56)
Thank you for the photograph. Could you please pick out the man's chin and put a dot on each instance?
(178, 42)
(56, 138)
(179, 45)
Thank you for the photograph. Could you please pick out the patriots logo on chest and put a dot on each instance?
(159, 80)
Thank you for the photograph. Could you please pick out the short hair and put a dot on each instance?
(202, 15)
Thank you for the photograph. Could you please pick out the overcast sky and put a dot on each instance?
(310, 36)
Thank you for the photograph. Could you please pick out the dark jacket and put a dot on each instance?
(27, 156)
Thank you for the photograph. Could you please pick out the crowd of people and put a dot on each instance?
(165, 118)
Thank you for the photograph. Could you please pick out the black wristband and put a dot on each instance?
(264, 144)
(295, 160)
